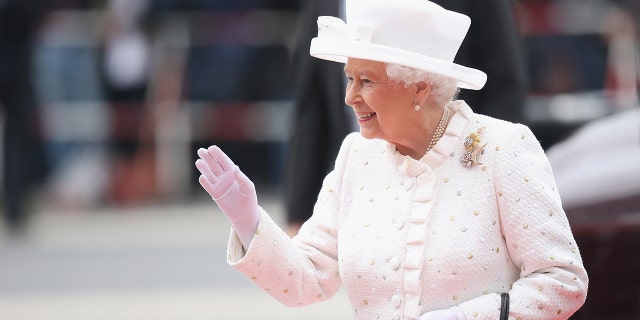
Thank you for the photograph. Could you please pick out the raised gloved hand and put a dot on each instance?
(453, 313)
(232, 191)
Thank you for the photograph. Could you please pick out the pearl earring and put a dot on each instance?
(416, 107)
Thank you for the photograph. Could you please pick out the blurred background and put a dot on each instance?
(103, 105)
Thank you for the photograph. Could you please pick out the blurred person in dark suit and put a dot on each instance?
(493, 45)
(320, 118)
(320, 121)
(23, 157)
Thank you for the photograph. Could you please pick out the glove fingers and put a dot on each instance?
(219, 174)
(203, 167)
(206, 184)
(219, 187)
(222, 159)
(208, 180)
(211, 161)
(204, 154)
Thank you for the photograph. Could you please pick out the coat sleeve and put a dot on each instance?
(553, 281)
(302, 270)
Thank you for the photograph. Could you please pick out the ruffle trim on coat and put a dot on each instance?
(423, 171)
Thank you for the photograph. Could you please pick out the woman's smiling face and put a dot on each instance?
(383, 107)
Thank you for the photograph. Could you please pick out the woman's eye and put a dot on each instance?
(366, 81)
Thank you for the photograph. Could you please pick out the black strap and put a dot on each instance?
(504, 306)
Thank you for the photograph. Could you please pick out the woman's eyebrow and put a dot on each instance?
(362, 72)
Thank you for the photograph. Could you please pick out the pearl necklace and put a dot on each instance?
(439, 129)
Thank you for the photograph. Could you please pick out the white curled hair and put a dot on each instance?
(443, 88)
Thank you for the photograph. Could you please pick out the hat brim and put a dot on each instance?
(339, 50)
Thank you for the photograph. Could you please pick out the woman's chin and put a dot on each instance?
(367, 134)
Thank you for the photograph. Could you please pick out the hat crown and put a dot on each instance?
(418, 26)
(414, 33)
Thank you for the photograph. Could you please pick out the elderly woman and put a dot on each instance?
(431, 211)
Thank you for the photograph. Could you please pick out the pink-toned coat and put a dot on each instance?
(405, 236)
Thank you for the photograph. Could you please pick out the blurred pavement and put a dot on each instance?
(152, 262)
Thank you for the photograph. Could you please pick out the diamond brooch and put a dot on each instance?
(473, 147)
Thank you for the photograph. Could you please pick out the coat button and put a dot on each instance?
(407, 184)
(396, 301)
(399, 223)
(395, 263)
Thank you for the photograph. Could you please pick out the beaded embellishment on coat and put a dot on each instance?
(473, 149)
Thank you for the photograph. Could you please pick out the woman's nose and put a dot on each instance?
(351, 94)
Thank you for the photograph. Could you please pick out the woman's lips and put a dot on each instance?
(365, 116)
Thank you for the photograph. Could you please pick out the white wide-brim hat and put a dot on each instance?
(414, 33)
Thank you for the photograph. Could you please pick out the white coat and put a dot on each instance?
(407, 236)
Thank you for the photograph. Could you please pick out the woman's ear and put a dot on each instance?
(423, 90)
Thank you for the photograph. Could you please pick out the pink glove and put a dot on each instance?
(234, 193)
(453, 313)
